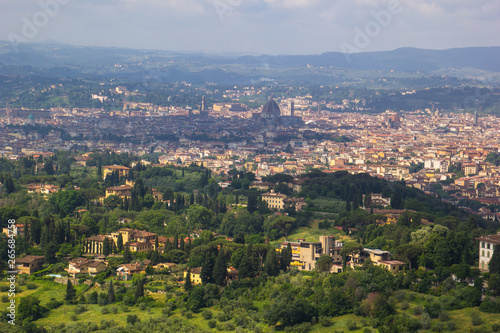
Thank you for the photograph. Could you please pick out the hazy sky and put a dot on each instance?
(255, 26)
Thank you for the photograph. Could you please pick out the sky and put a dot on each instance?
(255, 26)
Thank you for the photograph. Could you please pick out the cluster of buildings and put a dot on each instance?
(422, 148)
(305, 254)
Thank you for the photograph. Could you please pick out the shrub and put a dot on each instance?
(351, 325)
(54, 304)
(325, 321)
(444, 316)
(229, 326)
(490, 306)
(142, 306)
(105, 310)
(80, 309)
(495, 327)
(418, 310)
(425, 321)
(299, 328)
(405, 305)
(451, 326)
(188, 314)
(438, 327)
(476, 319)
(32, 286)
(206, 314)
(167, 311)
(132, 319)
(105, 324)
(114, 310)
(73, 317)
(5, 298)
(212, 323)
(222, 317)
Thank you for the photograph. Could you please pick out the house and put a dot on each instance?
(486, 247)
(123, 171)
(139, 247)
(85, 266)
(195, 275)
(305, 254)
(378, 258)
(131, 235)
(29, 264)
(17, 230)
(126, 271)
(122, 191)
(274, 200)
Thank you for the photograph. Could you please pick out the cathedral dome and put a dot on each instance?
(271, 110)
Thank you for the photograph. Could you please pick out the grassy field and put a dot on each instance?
(312, 233)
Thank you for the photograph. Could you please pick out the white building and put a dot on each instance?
(486, 246)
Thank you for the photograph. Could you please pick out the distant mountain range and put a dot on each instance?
(205, 67)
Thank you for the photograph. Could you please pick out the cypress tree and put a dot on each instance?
(139, 289)
(207, 268)
(127, 256)
(119, 243)
(494, 265)
(187, 284)
(220, 269)
(111, 293)
(246, 265)
(156, 243)
(286, 257)
(176, 242)
(70, 293)
(105, 247)
(182, 244)
(271, 263)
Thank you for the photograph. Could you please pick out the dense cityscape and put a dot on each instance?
(249, 166)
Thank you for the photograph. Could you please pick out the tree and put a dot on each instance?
(196, 300)
(111, 293)
(119, 243)
(408, 252)
(207, 268)
(284, 223)
(70, 293)
(30, 308)
(49, 252)
(271, 265)
(36, 231)
(286, 257)
(350, 249)
(139, 289)
(252, 202)
(494, 265)
(324, 263)
(187, 284)
(220, 269)
(246, 268)
(127, 256)
(9, 184)
(105, 247)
